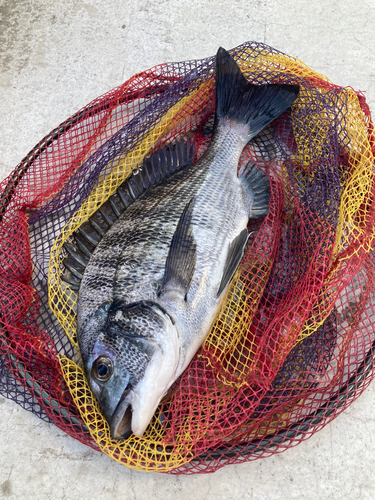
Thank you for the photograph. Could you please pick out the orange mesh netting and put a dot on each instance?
(293, 344)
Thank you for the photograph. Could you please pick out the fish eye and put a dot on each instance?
(102, 369)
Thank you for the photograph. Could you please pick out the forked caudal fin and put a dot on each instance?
(243, 102)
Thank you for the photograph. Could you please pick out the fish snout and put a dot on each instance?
(160, 374)
(133, 363)
(138, 404)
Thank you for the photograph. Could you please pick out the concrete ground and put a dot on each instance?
(56, 56)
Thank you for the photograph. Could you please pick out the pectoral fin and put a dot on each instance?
(235, 253)
(180, 264)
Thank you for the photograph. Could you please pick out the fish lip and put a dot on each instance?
(120, 424)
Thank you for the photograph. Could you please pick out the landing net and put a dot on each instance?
(294, 342)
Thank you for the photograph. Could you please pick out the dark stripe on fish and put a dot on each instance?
(85, 239)
(98, 282)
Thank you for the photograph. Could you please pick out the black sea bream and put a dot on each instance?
(153, 285)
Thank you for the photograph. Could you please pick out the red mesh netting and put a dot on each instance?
(294, 343)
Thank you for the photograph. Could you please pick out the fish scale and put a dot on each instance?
(158, 213)
(125, 242)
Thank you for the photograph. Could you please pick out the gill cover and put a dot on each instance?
(132, 364)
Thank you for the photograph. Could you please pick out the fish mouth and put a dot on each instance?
(130, 397)
(120, 424)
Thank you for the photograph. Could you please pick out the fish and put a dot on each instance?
(152, 275)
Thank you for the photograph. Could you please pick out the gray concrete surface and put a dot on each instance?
(57, 55)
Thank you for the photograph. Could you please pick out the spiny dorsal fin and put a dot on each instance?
(165, 162)
(180, 264)
(235, 253)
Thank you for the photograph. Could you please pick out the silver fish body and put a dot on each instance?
(153, 285)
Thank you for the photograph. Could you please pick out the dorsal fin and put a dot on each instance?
(157, 167)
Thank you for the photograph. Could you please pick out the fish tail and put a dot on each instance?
(245, 103)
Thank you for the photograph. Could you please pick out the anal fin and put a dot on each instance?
(234, 256)
(257, 187)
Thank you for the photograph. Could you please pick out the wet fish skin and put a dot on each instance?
(155, 282)
(130, 345)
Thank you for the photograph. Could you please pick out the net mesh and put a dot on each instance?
(293, 343)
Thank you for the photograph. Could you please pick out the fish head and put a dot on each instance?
(132, 364)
